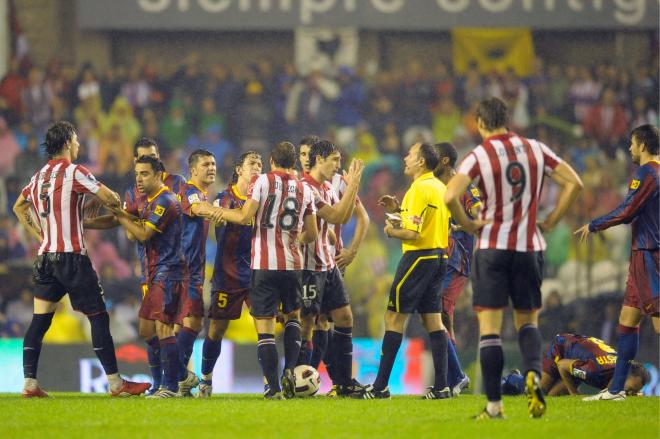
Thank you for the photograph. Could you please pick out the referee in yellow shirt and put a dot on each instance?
(423, 228)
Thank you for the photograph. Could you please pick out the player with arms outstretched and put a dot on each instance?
(231, 273)
(279, 206)
(56, 194)
(160, 231)
(641, 208)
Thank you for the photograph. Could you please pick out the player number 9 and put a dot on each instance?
(515, 176)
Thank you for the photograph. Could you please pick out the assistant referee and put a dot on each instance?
(424, 231)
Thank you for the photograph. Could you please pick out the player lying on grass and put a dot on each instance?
(574, 359)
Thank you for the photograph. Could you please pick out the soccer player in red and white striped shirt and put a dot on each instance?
(284, 216)
(323, 286)
(56, 194)
(509, 170)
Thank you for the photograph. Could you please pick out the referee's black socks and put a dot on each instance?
(391, 343)
(32, 343)
(439, 342)
(491, 358)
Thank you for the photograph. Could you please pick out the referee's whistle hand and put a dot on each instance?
(583, 232)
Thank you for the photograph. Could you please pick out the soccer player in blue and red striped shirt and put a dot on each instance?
(134, 202)
(160, 230)
(461, 246)
(641, 208)
(231, 274)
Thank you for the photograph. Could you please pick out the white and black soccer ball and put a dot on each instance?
(308, 380)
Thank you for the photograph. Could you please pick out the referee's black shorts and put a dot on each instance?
(417, 283)
(498, 275)
(57, 274)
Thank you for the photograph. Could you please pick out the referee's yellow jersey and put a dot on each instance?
(423, 210)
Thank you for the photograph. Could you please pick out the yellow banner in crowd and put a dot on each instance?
(493, 49)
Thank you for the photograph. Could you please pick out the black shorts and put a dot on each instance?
(269, 288)
(498, 275)
(313, 289)
(334, 295)
(418, 281)
(57, 274)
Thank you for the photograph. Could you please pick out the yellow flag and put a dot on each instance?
(493, 49)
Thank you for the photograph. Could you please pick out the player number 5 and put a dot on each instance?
(222, 300)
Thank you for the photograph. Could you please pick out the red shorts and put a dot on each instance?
(191, 303)
(227, 305)
(643, 280)
(452, 286)
(160, 300)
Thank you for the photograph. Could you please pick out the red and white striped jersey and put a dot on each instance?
(339, 185)
(509, 171)
(319, 255)
(57, 193)
(284, 201)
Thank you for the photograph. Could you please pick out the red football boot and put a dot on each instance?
(129, 388)
(34, 393)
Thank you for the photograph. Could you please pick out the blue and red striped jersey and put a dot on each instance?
(232, 270)
(461, 244)
(595, 360)
(195, 231)
(163, 251)
(640, 207)
(134, 202)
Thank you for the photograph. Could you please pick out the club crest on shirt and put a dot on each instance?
(634, 184)
(159, 211)
(193, 198)
(416, 220)
(474, 191)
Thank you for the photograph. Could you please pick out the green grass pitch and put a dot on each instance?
(73, 415)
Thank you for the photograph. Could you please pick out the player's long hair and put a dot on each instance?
(323, 148)
(239, 164)
(59, 134)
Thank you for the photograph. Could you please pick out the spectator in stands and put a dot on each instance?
(607, 123)
(36, 100)
(11, 88)
(27, 162)
(9, 149)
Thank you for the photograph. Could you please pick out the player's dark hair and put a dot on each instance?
(323, 148)
(198, 154)
(239, 163)
(284, 155)
(144, 142)
(648, 135)
(638, 369)
(430, 155)
(59, 134)
(155, 163)
(309, 140)
(446, 149)
(494, 113)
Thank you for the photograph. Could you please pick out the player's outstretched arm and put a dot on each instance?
(243, 216)
(455, 189)
(103, 222)
(347, 255)
(109, 198)
(23, 212)
(571, 186)
(140, 231)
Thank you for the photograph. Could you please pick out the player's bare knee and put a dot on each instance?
(343, 317)
(523, 317)
(395, 321)
(432, 322)
(194, 323)
(164, 330)
(217, 329)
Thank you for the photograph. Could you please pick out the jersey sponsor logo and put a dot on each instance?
(634, 184)
(193, 198)
(124, 205)
(159, 211)
(416, 220)
(216, 203)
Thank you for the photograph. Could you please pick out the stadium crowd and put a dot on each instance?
(583, 112)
